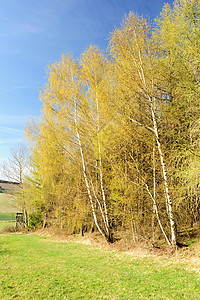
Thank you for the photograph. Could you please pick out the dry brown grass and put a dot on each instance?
(95, 239)
(8, 229)
(189, 257)
(139, 249)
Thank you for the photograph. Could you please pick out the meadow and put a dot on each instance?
(7, 225)
(8, 207)
(7, 211)
(34, 267)
(7, 203)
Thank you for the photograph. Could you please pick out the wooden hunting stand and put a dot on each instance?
(19, 221)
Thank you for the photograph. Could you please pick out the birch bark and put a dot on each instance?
(84, 172)
(151, 103)
(100, 167)
(167, 196)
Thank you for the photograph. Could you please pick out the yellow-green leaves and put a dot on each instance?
(117, 128)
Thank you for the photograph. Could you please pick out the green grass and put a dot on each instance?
(7, 220)
(32, 267)
(7, 216)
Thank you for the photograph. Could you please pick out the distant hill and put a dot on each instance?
(7, 198)
(8, 185)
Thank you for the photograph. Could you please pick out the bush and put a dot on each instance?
(8, 229)
(35, 220)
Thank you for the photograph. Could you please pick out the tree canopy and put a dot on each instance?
(117, 148)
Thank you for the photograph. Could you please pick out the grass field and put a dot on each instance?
(7, 203)
(7, 220)
(7, 216)
(33, 267)
(6, 224)
(7, 210)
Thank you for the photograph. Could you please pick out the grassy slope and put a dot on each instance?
(7, 210)
(7, 220)
(7, 203)
(37, 268)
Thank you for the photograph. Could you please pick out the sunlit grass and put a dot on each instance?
(37, 268)
(8, 203)
(7, 220)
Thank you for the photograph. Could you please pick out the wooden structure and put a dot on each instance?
(19, 221)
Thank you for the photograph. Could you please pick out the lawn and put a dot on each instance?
(34, 267)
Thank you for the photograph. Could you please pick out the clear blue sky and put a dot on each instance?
(34, 34)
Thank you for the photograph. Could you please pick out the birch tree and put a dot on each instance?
(132, 48)
(178, 29)
(66, 110)
(118, 140)
(94, 66)
(15, 170)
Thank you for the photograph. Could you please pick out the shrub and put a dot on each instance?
(35, 220)
(8, 228)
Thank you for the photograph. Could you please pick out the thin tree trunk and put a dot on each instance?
(84, 172)
(133, 232)
(45, 220)
(154, 204)
(168, 200)
(133, 227)
(100, 207)
(154, 196)
(157, 215)
(26, 217)
(100, 165)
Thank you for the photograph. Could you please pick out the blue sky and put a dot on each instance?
(34, 34)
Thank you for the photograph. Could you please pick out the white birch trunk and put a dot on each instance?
(167, 196)
(157, 215)
(168, 200)
(100, 166)
(154, 204)
(100, 207)
(154, 194)
(84, 172)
